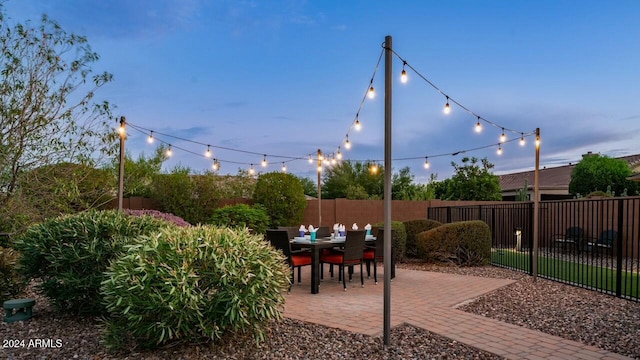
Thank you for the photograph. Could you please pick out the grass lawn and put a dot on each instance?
(577, 273)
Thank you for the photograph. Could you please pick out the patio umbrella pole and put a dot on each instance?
(387, 190)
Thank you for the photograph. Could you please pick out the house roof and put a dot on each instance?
(556, 177)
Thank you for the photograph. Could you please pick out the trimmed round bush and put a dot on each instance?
(413, 228)
(185, 284)
(282, 195)
(466, 243)
(242, 215)
(11, 283)
(69, 254)
(399, 241)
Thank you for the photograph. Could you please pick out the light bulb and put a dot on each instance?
(537, 141)
(169, 152)
(333, 161)
(371, 93)
(284, 167)
(347, 144)
(503, 137)
(357, 126)
(326, 161)
(374, 169)
(447, 108)
(320, 157)
(522, 140)
(403, 77)
(478, 126)
(319, 168)
(339, 154)
(499, 149)
(208, 152)
(214, 166)
(121, 130)
(150, 138)
(251, 171)
(310, 160)
(264, 161)
(426, 163)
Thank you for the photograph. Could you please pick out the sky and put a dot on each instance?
(286, 78)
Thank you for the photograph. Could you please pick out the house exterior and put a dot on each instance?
(553, 183)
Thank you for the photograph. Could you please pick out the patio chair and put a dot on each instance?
(604, 241)
(291, 231)
(279, 239)
(348, 257)
(573, 238)
(374, 254)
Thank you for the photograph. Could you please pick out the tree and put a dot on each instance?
(470, 182)
(336, 180)
(47, 114)
(283, 197)
(309, 186)
(139, 174)
(597, 173)
(403, 187)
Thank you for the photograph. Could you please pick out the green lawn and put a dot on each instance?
(568, 271)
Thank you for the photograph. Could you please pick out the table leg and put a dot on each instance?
(315, 270)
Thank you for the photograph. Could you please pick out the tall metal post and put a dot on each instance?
(387, 189)
(121, 169)
(536, 208)
(319, 189)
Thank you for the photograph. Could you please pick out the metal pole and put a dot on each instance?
(387, 189)
(121, 169)
(319, 190)
(536, 208)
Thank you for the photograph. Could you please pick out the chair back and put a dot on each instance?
(323, 231)
(279, 239)
(607, 237)
(354, 246)
(379, 250)
(291, 230)
(574, 232)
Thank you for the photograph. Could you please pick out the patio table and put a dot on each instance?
(315, 246)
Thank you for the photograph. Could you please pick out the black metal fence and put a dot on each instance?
(593, 244)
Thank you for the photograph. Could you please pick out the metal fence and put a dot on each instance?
(593, 244)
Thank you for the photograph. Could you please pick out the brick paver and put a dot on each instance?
(428, 300)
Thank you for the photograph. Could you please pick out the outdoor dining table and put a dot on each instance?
(316, 246)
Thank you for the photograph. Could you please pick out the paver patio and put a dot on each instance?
(428, 300)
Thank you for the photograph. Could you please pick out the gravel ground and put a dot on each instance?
(572, 313)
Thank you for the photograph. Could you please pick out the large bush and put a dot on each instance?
(192, 283)
(465, 243)
(282, 195)
(413, 228)
(11, 283)
(242, 215)
(399, 241)
(69, 254)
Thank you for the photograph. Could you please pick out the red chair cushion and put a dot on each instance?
(369, 254)
(332, 258)
(300, 260)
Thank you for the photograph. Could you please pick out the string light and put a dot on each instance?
(447, 108)
(215, 166)
(150, 138)
(333, 160)
(284, 167)
(403, 74)
(319, 168)
(371, 93)
(264, 161)
(169, 152)
(522, 139)
(374, 168)
(426, 162)
(357, 125)
(499, 149)
(537, 141)
(121, 129)
(339, 154)
(310, 160)
(503, 137)
(347, 144)
(326, 161)
(478, 126)
(251, 170)
(208, 152)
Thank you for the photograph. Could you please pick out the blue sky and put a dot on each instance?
(287, 77)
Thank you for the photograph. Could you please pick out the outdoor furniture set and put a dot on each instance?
(574, 239)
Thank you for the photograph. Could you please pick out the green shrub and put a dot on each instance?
(11, 283)
(413, 228)
(465, 242)
(191, 283)
(69, 254)
(242, 215)
(399, 241)
(282, 195)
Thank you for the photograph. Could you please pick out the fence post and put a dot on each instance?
(619, 249)
(448, 214)
(531, 210)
